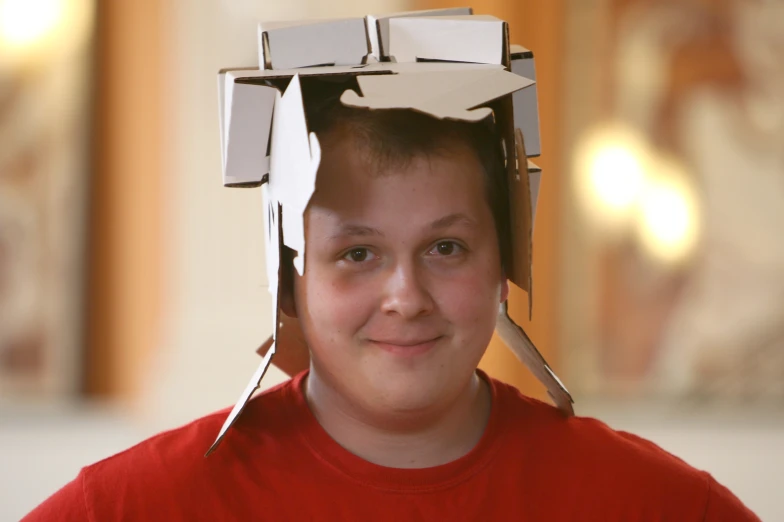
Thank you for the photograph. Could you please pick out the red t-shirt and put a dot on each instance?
(278, 464)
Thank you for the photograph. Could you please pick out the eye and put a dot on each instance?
(446, 248)
(357, 255)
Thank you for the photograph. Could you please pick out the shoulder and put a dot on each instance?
(588, 443)
(182, 450)
(163, 470)
(616, 469)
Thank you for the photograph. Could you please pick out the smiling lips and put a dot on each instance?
(406, 348)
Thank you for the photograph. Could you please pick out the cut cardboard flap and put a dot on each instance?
(295, 160)
(443, 94)
(287, 45)
(477, 39)
(246, 115)
(526, 105)
(378, 27)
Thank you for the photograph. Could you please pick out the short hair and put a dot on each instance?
(393, 137)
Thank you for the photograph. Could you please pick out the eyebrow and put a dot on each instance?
(356, 230)
(350, 230)
(452, 219)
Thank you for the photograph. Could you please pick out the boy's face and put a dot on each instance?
(403, 277)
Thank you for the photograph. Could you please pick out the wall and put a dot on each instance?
(217, 309)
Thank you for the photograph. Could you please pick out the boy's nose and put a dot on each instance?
(406, 295)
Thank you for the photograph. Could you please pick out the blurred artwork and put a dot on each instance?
(688, 297)
(44, 165)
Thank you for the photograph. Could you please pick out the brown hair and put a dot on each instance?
(394, 137)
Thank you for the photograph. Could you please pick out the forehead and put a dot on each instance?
(354, 182)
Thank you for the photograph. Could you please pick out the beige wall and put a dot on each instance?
(216, 306)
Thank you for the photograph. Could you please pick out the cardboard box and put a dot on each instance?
(472, 38)
(288, 45)
(378, 28)
(526, 103)
(457, 67)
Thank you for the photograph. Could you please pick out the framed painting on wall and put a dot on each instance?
(673, 259)
(45, 126)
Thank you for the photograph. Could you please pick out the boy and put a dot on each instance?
(405, 268)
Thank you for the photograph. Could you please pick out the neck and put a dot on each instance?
(415, 440)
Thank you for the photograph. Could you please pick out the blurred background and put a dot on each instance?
(132, 294)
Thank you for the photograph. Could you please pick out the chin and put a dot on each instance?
(414, 391)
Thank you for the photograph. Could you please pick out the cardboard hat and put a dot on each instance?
(445, 63)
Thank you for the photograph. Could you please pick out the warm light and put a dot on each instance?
(627, 186)
(38, 32)
(610, 168)
(668, 222)
(616, 175)
(23, 23)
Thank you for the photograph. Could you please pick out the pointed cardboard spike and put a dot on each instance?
(474, 38)
(522, 346)
(523, 224)
(255, 381)
(252, 386)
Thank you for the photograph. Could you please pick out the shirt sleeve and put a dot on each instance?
(723, 506)
(66, 505)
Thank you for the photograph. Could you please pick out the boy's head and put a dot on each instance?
(404, 270)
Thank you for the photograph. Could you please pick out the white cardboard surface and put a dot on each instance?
(295, 160)
(444, 94)
(477, 39)
(252, 386)
(378, 26)
(309, 43)
(526, 104)
(247, 115)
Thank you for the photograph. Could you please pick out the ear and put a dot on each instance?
(288, 305)
(287, 275)
(504, 290)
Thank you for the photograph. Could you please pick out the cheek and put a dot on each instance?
(334, 307)
(470, 303)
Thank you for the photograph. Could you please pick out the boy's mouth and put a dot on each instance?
(406, 347)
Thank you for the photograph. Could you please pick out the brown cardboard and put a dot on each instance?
(522, 219)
